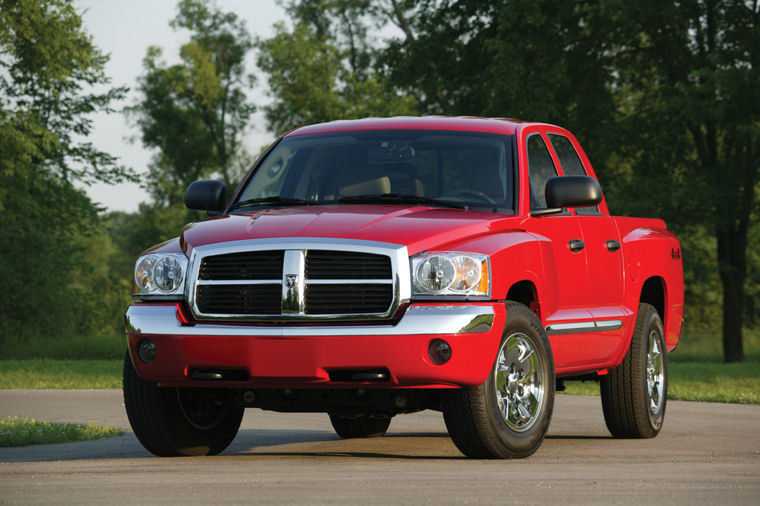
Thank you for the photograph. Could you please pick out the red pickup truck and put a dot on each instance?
(376, 267)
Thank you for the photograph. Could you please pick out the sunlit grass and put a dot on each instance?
(24, 432)
(700, 381)
(696, 369)
(60, 374)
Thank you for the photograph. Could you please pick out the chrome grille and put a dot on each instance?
(349, 298)
(239, 299)
(321, 264)
(319, 279)
(245, 265)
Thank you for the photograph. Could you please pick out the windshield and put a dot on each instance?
(454, 169)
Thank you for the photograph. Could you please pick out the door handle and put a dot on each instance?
(576, 245)
(613, 245)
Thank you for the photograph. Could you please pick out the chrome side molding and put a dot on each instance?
(583, 327)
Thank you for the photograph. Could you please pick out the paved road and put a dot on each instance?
(706, 454)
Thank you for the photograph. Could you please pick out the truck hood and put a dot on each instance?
(417, 227)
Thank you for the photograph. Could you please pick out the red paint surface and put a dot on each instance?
(568, 287)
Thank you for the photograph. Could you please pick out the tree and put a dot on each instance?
(48, 68)
(695, 68)
(194, 113)
(664, 96)
(323, 68)
(538, 60)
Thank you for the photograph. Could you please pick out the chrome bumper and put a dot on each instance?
(418, 320)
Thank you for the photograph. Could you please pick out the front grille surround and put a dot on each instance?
(298, 302)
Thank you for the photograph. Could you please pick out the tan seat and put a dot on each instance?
(362, 181)
(374, 186)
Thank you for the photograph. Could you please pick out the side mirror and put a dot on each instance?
(573, 191)
(206, 195)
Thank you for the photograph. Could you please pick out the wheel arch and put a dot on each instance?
(653, 292)
(526, 293)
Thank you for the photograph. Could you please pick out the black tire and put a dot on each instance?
(634, 394)
(475, 416)
(361, 426)
(174, 422)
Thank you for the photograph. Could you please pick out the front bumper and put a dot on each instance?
(288, 356)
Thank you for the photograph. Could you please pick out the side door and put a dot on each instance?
(604, 254)
(565, 300)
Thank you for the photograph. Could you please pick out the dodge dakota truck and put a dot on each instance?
(370, 268)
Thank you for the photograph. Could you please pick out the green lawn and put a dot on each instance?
(696, 370)
(700, 381)
(24, 432)
(60, 374)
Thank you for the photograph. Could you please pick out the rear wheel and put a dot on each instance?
(634, 393)
(172, 422)
(508, 415)
(359, 426)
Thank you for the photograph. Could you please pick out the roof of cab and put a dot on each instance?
(461, 123)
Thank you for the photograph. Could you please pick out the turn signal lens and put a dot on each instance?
(451, 273)
(144, 274)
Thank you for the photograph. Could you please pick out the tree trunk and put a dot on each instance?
(732, 266)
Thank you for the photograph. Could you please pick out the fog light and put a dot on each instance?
(439, 351)
(147, 351)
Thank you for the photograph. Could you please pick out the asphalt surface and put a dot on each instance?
(706, 454)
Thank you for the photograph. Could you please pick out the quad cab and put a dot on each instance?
(371, 268)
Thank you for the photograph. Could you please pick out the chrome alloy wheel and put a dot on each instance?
(519, 382)
(655, 375)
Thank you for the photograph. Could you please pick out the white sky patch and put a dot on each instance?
(124, 30)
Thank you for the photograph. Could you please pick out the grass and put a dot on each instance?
(60, 374)
(706, 345)
(24, 432)
(696, 369)
(700, 381)
(73, 348)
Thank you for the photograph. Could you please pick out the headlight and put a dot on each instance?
(160, 274)
(451, 274)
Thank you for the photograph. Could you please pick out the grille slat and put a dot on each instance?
(321, 264)
(243, 265)
(239, 299)
(350, 298)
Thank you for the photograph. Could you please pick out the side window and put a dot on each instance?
(571, 165)
(540, 169)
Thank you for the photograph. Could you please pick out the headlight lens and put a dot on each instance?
(167, 274)
(144, 274)
(160, 274)
(451, 273)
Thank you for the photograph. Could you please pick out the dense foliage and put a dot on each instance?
(663, 95)
(56, 279)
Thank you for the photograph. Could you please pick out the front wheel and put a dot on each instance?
(634, 393)
(509, 414)
(173, 422)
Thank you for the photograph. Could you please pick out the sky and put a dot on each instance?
(125, 30)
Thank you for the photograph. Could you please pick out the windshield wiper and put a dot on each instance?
(272, 201)
(397, 198)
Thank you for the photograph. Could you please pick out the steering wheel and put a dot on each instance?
(467, 192)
